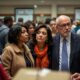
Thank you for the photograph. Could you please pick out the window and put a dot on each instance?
(26, 14)
(77, 14)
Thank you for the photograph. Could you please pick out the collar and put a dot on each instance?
(15, 48)
(67, 38)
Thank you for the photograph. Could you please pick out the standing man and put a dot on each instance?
(8, 22)
(66, 52)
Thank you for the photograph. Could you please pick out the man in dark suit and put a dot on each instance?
(73, 47)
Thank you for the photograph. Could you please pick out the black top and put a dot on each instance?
(28, 63)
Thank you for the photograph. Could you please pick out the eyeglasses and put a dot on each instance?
(64, 25)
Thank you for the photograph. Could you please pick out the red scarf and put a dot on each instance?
(42, 57)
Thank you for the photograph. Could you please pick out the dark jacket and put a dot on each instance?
(31, 45)
(3, 37)
(74, 54)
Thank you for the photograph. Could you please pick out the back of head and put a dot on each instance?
(20, 21)
(8, 21)
(14, 33)
(47, 21)
(1, 22)
(78, 23)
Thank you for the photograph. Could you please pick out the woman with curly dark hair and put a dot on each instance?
(41, 46)
(16, 54)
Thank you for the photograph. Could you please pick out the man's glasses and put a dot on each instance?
(64, 25)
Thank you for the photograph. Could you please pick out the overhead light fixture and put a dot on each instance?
(35, 6)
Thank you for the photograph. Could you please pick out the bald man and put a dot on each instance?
(72, 60)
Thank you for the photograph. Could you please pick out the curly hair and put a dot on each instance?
(14, 33)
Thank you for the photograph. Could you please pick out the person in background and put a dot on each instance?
(31, 27)
(41, 46)
(20, 21)
(16, 54)
(74, 23)
(47, 21)
(70, 62)
(40, 23)
(77, 28)
(53, 27)
(1, 22)
(8, 22)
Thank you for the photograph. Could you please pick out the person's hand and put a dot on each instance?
(75, 76)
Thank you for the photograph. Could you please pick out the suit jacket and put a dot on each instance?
(74, 54)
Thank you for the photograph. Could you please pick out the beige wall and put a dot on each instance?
(6, 10)
(38, 10)
(43, 10)
(66, 9)
(52, 7)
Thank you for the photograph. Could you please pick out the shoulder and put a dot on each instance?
(4, 31)
(4, 28)
(56, 38)
(78, 32)
(75, 39)
(7, 53)
(75, 36)
(8, 49)
(26, 48)
(30, 44)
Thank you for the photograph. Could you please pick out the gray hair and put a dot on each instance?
(61, 17)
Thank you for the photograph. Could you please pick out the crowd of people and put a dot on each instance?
(52, 44)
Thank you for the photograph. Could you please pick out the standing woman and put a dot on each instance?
(16, 54)
(41, 47)
(31, 27)
(53, 27)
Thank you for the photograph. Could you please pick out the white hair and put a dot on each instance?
(62, 17)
